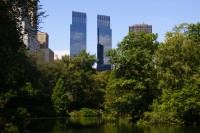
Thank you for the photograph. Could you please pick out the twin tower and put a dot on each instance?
(78, 39)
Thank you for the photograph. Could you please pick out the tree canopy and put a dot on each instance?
(131, 87)
(178, 65)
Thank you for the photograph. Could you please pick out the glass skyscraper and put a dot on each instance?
(78, 33)
(104, 42)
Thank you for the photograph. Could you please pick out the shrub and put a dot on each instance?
(10, 128)
(85, 112)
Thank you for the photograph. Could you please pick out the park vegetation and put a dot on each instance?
(150, 83)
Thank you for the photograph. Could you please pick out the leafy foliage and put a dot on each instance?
(79, 86)
(178, 63)
(131, 87)
(18, 75)
(85, 112)
(60, 98)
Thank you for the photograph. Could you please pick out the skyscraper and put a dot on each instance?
(78, 33)
(141, 27)
(104, 42)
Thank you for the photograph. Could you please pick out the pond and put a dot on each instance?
(98, 125)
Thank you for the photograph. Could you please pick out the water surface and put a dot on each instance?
(97, 125)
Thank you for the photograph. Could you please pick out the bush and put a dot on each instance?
(22, 118)
(85, 112)
(75, 113)
(10, 128)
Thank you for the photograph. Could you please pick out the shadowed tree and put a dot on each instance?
(16, 71)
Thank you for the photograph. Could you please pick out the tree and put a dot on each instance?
(96, 96)
(11, 71)
(60, 98)
(193, 32)
(79, 80)
(84, 61)
(78, 83)
(177, 64)
(131, 88)
(16, 70)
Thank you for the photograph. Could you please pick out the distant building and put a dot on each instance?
(78, 33)
(104, 42)
(56, 57)
(43, 39)
(29, 26)
(48, 54)
(141, 27)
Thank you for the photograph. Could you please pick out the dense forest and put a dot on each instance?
(150, 83)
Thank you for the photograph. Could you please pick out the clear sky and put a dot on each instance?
(163, 15)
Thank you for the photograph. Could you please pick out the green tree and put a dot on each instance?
(60, 98)
(177, 64)
(99, 84)
(84, 61)
(77, 85)
(131, 88)
(11, 58)
(16, 70)
(80, 81)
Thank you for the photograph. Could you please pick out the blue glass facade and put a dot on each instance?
(78, 33)
(104, 37)
(100, 54)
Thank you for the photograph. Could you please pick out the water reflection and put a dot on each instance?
(98, 125)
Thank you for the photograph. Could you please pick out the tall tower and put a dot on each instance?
(141, 27)
(78, 33)
(104, 42)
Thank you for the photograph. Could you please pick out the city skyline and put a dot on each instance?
(162, 15)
